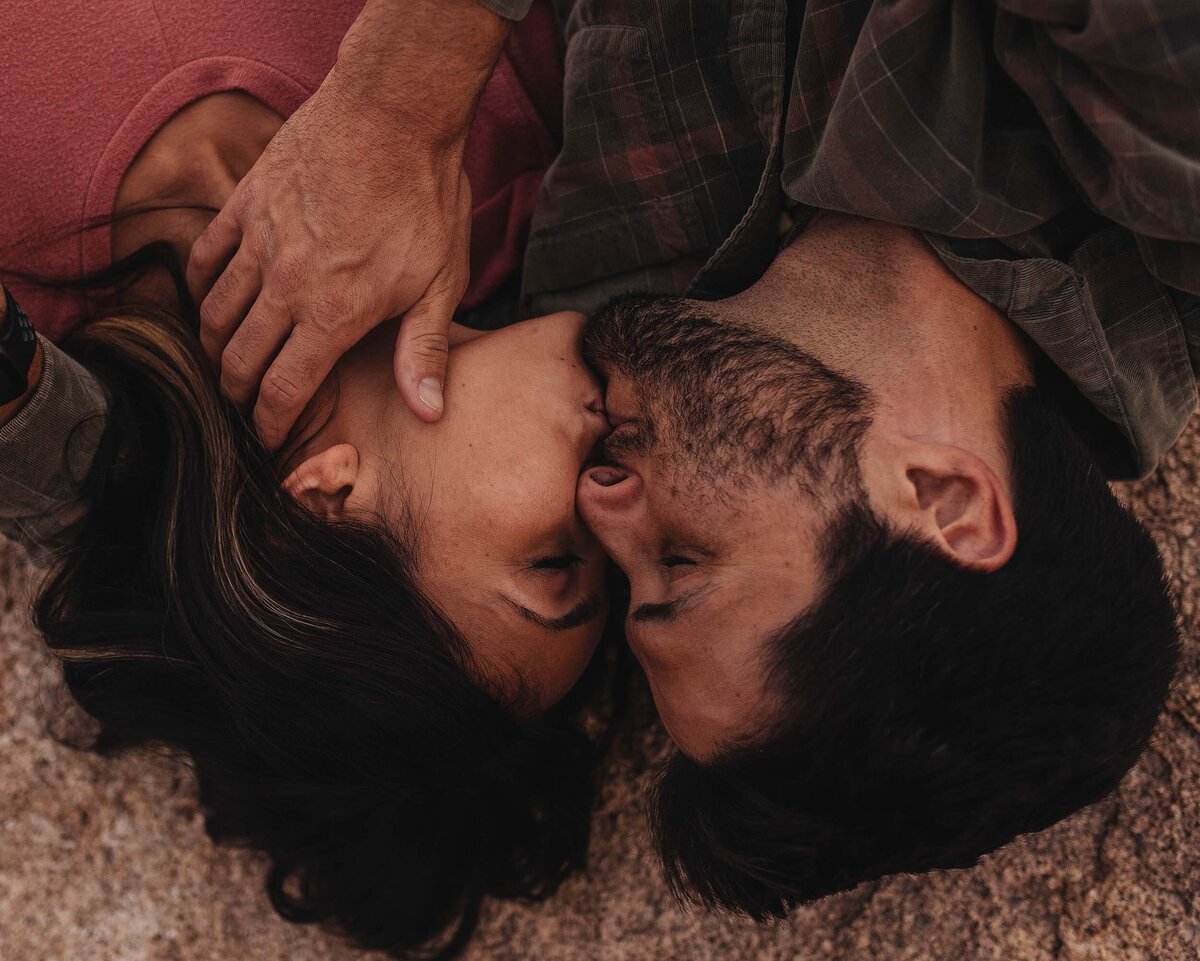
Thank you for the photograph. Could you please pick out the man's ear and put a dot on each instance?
(324, 481)
(956, 500)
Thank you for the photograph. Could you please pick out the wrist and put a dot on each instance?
(421, 64)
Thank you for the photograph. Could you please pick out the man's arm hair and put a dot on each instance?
(424, 61)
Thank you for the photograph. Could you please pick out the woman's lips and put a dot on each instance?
(616, 418)
(618, 413)
(595, 430)
(596, 406)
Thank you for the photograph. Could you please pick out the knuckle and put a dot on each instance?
(259, 243)
(429, 345)
(329, 321)
(235, 369)
(247, 195)
(229, 281)
(212, 317)
(336, 307)
(289, 274)
(203, 252)
(279, 392)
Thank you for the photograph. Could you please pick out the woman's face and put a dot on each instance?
(486, 495)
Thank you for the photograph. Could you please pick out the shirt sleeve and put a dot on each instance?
(1188, 306)
(509, 9)
(46, 452)
(1117, 86)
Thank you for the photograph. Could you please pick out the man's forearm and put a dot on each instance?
(425, 62)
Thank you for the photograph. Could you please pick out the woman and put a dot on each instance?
(358, 641)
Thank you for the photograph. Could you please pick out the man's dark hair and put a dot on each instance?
(933, 713)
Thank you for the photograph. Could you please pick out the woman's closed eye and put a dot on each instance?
(559, 585)
(562, 562)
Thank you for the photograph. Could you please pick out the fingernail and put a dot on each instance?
(430, 392)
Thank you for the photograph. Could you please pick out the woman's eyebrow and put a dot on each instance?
(582, 613)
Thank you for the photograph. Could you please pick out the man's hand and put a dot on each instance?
(356, 212)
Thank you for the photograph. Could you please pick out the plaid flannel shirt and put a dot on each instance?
(510, 9)
(1050, 152)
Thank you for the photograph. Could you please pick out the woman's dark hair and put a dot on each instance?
(929, 713)
(331, 712)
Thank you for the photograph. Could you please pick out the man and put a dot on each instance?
(889, 609)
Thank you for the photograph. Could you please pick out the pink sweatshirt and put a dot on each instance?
(84, 84)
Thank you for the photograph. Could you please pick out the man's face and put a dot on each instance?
(730, 451)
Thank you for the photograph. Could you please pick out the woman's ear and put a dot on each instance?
(956, 500)
(323, 481)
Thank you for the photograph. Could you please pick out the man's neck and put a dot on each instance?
(874, 301)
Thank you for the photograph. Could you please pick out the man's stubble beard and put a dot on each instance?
(722, 405)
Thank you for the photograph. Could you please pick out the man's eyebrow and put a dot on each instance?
(582, 613)
(666, 611)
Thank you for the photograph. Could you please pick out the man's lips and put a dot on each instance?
(607, 488)
(607, 475)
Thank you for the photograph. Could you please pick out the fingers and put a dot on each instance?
(210, 253)
(248, 355)
(228, 302)
(289, 384)
(422, 347)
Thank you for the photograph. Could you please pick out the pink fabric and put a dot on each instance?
(85, 83)
(513, 142)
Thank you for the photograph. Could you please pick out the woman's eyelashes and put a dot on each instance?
(560, 562)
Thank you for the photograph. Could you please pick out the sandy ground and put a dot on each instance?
(108, 861)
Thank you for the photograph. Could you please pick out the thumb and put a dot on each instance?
(422, 348)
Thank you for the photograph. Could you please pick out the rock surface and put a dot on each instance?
(108, 860)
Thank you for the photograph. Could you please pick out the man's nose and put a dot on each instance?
(613, 504)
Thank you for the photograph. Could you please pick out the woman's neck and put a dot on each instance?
(195, 159)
